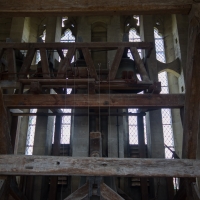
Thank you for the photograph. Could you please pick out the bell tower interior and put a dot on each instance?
(99, 101)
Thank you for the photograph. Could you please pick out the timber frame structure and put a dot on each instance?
(87, 78)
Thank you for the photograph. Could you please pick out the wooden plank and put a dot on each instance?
(10, 54)
(108, 194)
(57, 82)
(27, 63)
(78, 45)
(195, 190)
(65, 63)
(72, 114)
(89, 63)
(139, 64)
(79, 194)
(93, 101)
(92, 7)
(64, 166)
(115, 64)
(45, 63)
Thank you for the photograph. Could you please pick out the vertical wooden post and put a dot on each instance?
(142, 154)
(5, 141)
(11, 64)
(56, 152)
(14, 132)
(45, 63)
(191, 126)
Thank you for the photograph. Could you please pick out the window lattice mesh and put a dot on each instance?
(30, 133)
(38, 57)
(133, 37)
(166, 113)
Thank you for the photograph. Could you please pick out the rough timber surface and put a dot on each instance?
(92, 7)
(96, 166)
(94, 101)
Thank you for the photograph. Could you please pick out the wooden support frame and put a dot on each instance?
(116, 63)
(27, 63)
(78, 45)
(11, 64)
(91, 7)
(191, 126)
(65, 63)
(44, 63)
(123, 167)
(139, 64)
(89, 63)
(155, 101)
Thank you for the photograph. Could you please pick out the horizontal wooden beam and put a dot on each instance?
(77, 45)
(75, 114)
(92, 7)
(94, 101)
(130, 167)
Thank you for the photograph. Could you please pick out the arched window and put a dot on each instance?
(30, 133)
(41, 39)
(133, 37)
(132, 120)
(166, 113)
(67, 37)
(66, 120)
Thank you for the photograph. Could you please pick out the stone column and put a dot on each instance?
(20, 29)
(180, 25)
(155, 141)
(53, 34)
(23, 134)
(115, 34)
(42, 146)
(170, 37)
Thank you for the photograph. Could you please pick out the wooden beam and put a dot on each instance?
(93, 101)
(64, 166)
(116, 63)
(44, 63)
(89, 63)
(78, 45)
(191, 126)
(11, 64)
(139, 64)
(92, 7)
(5, 142)
(80, 193)
(65, 63)
(108, 194)
(27, 63)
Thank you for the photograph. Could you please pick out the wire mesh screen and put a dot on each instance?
(159, 44)
(65, 125)
(38, 57)
(133, 128)
(67, 37)
(166, 118)
(30, 133)
(134, 37)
